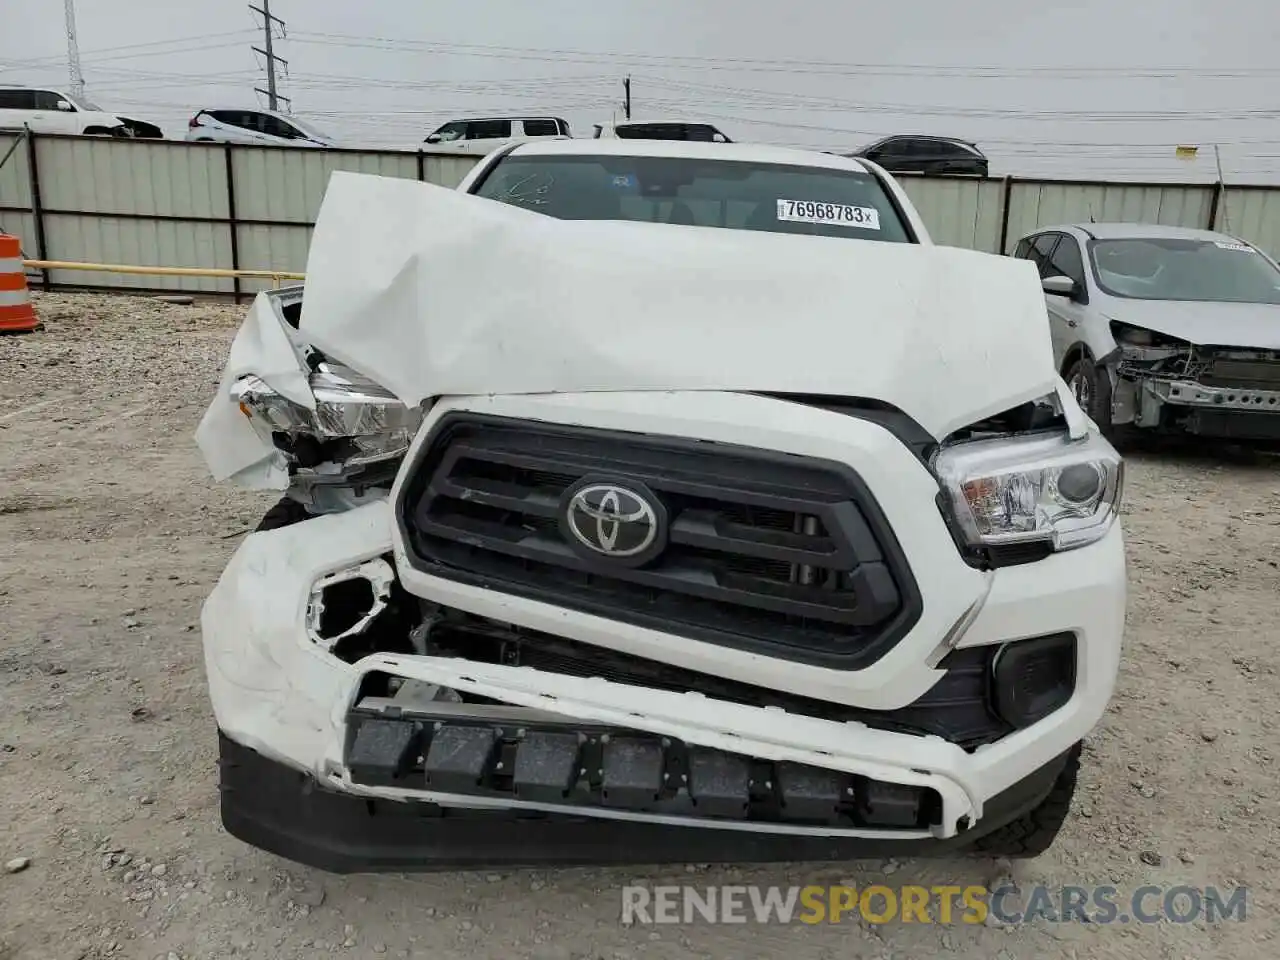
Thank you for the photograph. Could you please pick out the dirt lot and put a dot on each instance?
(112, 533)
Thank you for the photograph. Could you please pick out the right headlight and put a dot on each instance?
(1046, 489)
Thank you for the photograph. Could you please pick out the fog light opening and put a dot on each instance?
(344, 603)
(361, 610)
(1033, 678)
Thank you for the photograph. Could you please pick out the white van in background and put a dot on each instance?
(53, 111)
(482, 135)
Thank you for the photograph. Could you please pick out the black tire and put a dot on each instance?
(284, 514)
(1034, 832)
(1092, 389)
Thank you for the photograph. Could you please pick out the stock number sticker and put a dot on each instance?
(829, 214)
(1240, 247)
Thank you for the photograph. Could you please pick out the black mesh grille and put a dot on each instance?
(1261, 374)
(782, 554)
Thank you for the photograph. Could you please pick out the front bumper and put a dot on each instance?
(1237, 413)
(279, 695)
(288, 812)
(291, 701)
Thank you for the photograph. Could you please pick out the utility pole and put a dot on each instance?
(626, 103)
(268, 34)
(1222, 192)
(73, 52)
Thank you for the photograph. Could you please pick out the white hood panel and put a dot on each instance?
(432, 292)
(1252, 326)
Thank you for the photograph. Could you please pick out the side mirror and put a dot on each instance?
(1059, 286)
(65, 106)
(432, 138)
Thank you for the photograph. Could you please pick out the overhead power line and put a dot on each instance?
(783, 65)
(113, 53)
(778, 100)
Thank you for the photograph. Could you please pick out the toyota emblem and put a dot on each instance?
(617, 520)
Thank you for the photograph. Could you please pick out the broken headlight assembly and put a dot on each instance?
(356, 422)
(1046, 491)
(1136, 343)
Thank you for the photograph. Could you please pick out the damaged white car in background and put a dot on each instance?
(1164, 329)
(653, 502)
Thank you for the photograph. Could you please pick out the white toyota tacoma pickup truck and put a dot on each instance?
(655, 502)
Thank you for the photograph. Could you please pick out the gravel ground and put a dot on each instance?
(112, 534)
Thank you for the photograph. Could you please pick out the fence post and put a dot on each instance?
(1006, 196)
(37, 208)
(422, 167)
(231, 216)
(1214, 203)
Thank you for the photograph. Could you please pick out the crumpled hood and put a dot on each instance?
(1251, 325)
(433, 292)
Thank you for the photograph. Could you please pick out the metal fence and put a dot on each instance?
(163, 203)
(178, 204)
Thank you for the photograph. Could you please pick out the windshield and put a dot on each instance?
(739, 195)
(314, 132)
(1180, 269)
(669, 131)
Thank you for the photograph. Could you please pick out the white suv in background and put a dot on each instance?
(481, 136)
(254, 126)
(51, 111)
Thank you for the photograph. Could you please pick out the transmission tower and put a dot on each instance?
(73, 52)
(268, 35)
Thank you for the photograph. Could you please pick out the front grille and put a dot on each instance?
(1260, 374)
(768, 552)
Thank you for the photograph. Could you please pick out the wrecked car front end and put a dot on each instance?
(1168, 383)
(615, 603)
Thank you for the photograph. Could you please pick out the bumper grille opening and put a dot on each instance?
(773, 553)
(958, 708)
(517, 754)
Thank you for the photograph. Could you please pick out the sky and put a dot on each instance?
(1095, 89)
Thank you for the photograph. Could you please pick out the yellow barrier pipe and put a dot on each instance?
(276, 275)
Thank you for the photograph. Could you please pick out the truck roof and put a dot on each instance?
(694, 150)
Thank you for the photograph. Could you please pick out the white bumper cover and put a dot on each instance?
(277, 692)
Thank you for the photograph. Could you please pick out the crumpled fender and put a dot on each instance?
(231, 449)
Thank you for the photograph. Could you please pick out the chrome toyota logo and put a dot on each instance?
(613, 520)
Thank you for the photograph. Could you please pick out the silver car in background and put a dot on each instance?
(1163, 328)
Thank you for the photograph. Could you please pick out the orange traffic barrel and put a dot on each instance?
(17, 315)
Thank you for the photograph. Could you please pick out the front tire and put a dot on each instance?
(1034, 832)
(284, 514)
(1091, 386)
